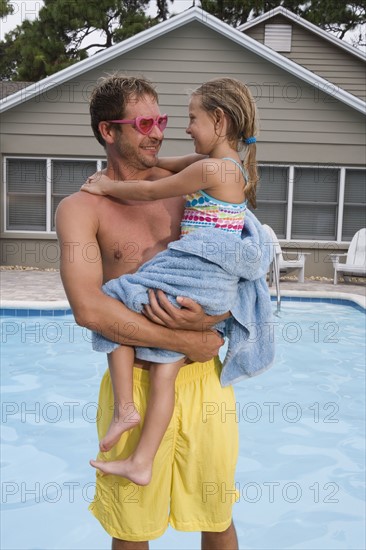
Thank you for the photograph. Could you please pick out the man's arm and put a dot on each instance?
(82, 277)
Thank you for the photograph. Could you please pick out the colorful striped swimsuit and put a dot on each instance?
(202, 211)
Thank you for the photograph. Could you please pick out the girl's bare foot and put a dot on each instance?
(125, 418)
(139, 473)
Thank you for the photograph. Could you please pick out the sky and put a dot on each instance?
(28, 9)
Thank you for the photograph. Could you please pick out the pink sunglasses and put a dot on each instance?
(145, 124)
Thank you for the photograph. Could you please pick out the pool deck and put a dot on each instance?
(20, 287)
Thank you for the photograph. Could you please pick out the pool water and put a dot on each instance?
(300, 475)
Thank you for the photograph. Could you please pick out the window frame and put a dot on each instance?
(290, 199)
(48, 232)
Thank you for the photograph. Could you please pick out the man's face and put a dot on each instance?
(139, 150)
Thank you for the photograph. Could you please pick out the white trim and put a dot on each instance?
(290, 198)
(318, 165)
(3, 229)
(307, 25)
(35, 304)
(193, 14)
(342, 186)
(53, 157)
(26, 233)
(357, 298)
(48, 194)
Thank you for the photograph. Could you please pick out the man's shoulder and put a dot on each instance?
(79, 206)
(158, 173)
(80, 199)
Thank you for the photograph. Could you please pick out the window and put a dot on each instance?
(354, 211)
(67, 177)
(310, 203)
(306, 203)
(26, 200)
(315, 203)
(35, 188)
(272, 198)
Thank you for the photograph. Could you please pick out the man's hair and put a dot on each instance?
(110, 96)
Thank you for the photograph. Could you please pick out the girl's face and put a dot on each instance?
(201, 127)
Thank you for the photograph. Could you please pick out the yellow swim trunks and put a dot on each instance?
(192, 486)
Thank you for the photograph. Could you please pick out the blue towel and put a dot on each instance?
(222, 272)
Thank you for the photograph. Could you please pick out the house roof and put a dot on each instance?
(304, 23)
(8, 87)
(191, 15)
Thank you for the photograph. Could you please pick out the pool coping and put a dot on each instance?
(332, 296)
(62, 307)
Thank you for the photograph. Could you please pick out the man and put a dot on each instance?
(102, 238)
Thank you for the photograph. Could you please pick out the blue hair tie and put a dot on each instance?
(250, 140)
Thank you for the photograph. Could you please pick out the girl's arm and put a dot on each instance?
(177, 164)
(202, 174)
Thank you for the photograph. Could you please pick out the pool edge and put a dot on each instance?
(35, 304)
(63, 305)
(327, 295)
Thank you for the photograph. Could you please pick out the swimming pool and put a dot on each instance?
(301, 469)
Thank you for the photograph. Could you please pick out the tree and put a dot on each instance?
(58, 36)
(334, 16)
(163, 10)
(31, 51)
(6, 8)
(66, 31)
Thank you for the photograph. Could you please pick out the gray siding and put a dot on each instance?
(320, 56)
(299, 123)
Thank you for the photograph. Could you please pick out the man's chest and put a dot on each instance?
(131, 235)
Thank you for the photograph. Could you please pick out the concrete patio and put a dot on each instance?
(45, 285)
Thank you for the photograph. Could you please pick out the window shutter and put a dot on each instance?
(278, 37)
(272, 198)
(315, 202)
(354, 211)
(26, 194)
(67, 178)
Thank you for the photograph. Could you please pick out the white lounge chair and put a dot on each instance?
(287, 266)
(355, 265)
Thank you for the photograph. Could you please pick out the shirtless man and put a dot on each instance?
(100, 239)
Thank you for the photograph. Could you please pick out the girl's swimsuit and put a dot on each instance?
(202, 211)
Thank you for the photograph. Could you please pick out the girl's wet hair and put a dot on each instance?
(111, 94)
(236, 101)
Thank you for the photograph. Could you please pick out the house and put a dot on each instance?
(9, 87)
(311, 147)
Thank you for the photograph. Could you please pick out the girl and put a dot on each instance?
(222, 121)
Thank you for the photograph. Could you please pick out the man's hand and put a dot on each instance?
(191, 316)
(203, 346)
(197, 340)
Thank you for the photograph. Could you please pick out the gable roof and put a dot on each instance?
(184, 18)
(8, 87)
(303, 23)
